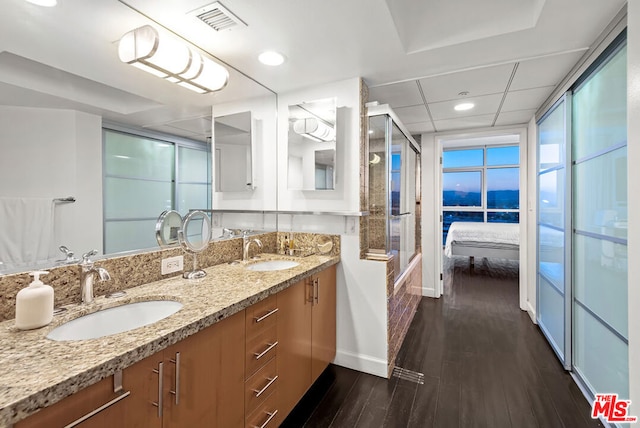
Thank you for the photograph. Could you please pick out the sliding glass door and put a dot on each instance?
(599, 145)
(554, 243)
(582, 226)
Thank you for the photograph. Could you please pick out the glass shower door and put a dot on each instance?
(553, 274)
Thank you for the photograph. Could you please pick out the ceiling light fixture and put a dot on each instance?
(272, 58)
(314, 129)
(45, 3)
(463, 106)
(171, 59)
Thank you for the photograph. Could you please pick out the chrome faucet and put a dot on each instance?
(246, 244)
(87, 271)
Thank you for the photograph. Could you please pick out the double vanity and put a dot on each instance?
(244, 345)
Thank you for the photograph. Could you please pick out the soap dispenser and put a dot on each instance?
(34, 304)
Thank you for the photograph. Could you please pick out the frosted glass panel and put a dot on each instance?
(551, 246)
(135, 198)
(600, 109)
(133, 156)
(600, 277)
(194, 165)
(600, 194)
(599, 355)
(551, 139)
(193, 196)
(551, 315)
(129, 235)
(551, 198)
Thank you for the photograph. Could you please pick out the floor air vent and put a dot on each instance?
(409, 375)
(218, 17)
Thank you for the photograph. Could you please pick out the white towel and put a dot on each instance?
(26, 230)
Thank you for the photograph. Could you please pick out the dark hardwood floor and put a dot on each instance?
(485, 365)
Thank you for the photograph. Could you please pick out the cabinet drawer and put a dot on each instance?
(261, 385)
(266, 414)
(260, 350)
(261, 316)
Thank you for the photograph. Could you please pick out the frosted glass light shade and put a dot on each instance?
(314, 129)
(167, 57)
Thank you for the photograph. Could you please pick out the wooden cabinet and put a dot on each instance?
(306, 335)
(198, 381)
(261, 369)
(249, 370)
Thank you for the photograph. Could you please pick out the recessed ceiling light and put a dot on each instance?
(463, 106)
(46, 3)
(271, 58)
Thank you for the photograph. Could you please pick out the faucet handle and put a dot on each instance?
(85, 256)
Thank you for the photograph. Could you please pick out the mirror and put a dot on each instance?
(167, 228)
(312, 145)
(233, 153)
(58, 90)
(194, 237)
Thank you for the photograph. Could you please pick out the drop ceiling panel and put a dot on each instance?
(515, 117)
(465, 122)
(419, 127)
(397, 95)
(412, 114)
(526, 98)
(547, 71)
(482, 81)
(487, 104)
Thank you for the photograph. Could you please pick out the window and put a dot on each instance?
(481, 184)
(144, 176)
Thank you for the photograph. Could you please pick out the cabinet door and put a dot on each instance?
(204, 377)
(323, 322)
(294, 340)
(142, 379)
(80, 404)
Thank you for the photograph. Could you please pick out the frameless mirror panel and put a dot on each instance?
(312, 145)
(232, 141)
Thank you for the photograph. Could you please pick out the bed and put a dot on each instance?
(491, 240)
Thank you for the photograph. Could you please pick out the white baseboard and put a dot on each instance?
(361, 363)
(429, 292)
(532, 313)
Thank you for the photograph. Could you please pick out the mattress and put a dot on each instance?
(502, 236)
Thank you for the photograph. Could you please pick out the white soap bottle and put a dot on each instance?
(34, 304)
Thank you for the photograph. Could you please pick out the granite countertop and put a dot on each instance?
(36, 372)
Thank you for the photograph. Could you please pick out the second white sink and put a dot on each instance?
(272, 265)
(115, 320)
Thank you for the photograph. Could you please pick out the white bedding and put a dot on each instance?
(482, 235)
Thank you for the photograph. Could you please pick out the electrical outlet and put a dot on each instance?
(172, 264)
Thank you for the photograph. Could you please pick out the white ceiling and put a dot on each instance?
(417, 56)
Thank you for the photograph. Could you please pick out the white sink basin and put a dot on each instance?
(272, 265)
(115, 320)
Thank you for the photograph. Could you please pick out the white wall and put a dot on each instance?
(346, 196)
(633, 151)
(431, 226)
(49, 153)
(532, 268)
(263, 130)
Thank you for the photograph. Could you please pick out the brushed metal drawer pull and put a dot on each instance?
(177, 373)
(98, 410)
(271, 416)
(265, 316)
(269, 348)
(160, 372)
(316, 296)
(271, 380)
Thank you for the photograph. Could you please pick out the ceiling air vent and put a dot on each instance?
(218, 17)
